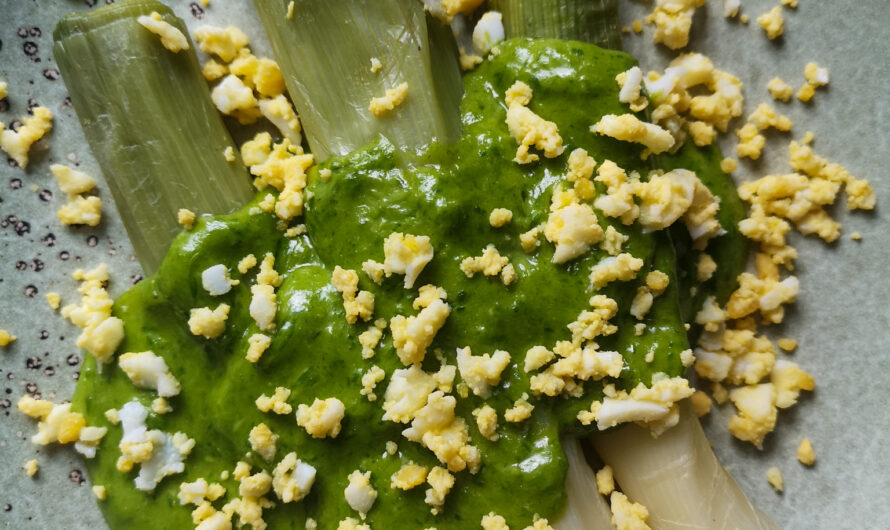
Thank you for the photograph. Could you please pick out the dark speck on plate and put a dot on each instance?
(45, 195)
(73, 360)
(49, 239)
(92, 241)
(197, 11)
(15, 183)
(30, 291)
(76, 476)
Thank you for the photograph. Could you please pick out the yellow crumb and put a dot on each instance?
(701, 403)
(728, 165)
(99, 492)
(774, 477)
(856, 236)
(186, 218)
(393, 98)
(31, 467)
(772, 23)
(805, 452)
(6, 337)
(779, 90)
(787, 344)
(806, 92)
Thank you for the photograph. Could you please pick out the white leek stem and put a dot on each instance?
(677, 478)
(586, 509)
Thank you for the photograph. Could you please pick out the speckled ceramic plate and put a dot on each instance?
(841, 320)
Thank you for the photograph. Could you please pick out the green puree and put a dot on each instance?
(446, 193)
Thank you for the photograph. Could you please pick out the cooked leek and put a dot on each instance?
(584, 507)
(325, 52)
(594, 21)
(677, 478)
(148, 118)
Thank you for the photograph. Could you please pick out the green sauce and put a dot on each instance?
(446, 193)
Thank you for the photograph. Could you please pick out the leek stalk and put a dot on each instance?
(148, 118)
(585, 508)
(325, 50)
(593, 21)
(678, 478)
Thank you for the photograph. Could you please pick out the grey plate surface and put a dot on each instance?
(841, 319)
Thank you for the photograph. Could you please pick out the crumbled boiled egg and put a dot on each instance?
(622, 267)
(31, 467)
(360, 495)
(148, 370)
(209, 323)
(441, 482)
(629, 128)
(481, 372)
(779, 90)
(406, 254)
(529, 129)
(225, 43)
(701, 403)
(322, 418)
(350, 523)
(805, 453)
(394, 97)
(487, 422)
(171, 37)
(292, 479)
(605, 481)
(490, 263)
(257, 344)
(488, 32)
(408, 390)
(493, 521)
(216, 281)
(159, 453)
(520, 411)
(280, 112)
(17, 143)
(374, 375)
(6, 338)
(79, 210)
(413, 335)
(816, 75)
(408, 476)
(571, 226)
(277, 403)
(673, 20)
(627, 515)
(263, 441)
(437, 428)
(772, 23)
(370, 338)
(356, 303)
(102, 333)
(645, 405)
(500, 217)
(774, 477)
(263, 306)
